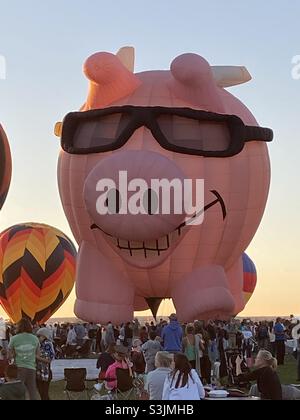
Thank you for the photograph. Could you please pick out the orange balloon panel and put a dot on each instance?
(37, 271)
(181, 125)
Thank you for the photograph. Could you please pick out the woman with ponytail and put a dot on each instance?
(183, 383)
(264, 373)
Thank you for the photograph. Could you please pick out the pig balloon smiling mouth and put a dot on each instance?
(173, 124)
(159, 246)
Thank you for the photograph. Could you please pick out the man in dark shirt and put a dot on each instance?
(280, 338)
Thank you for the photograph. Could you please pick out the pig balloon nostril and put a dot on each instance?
(113, 201)
(150, 202)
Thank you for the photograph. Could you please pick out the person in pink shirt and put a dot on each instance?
(121, 362)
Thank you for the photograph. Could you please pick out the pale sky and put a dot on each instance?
(44, 45)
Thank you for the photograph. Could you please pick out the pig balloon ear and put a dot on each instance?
(110, 80)
(226, 76)
(127, 57)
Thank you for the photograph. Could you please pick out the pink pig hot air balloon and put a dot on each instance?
(179, 124)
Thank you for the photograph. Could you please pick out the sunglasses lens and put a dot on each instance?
(99, 132)
(193, 134)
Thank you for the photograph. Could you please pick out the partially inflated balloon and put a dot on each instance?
(37, 271)
(250, 277)
(5, 167)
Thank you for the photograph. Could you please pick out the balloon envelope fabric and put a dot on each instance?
(5, 167)
(250, 277)
(179, 124)
(37, 271)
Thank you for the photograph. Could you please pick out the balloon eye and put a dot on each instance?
(113, 201)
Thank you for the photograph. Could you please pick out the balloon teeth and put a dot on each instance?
(147, 248)
(122, 243)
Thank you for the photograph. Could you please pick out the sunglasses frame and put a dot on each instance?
(147, 117)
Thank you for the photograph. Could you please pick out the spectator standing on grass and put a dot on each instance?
(272, 339)
(189, 345)
(80, 333)
(222, 345)
(136, 328)
(280, 337)
(92, 331)
(153, 328)
(172, 335)
(144, 334)
(263, 336)
(44, 359)
(205, 363)
(55, 326)
(24, 347)
(121, 336)
(128, 335)
(71, 337)
(109, 335)
(150, 349)
(212, 349)
(99, 339)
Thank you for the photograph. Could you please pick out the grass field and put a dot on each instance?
(287, 373)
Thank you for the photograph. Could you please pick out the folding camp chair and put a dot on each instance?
(76, 386)
(126, 388)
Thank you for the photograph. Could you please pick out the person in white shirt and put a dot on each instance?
(183, 383)
(155, 380)
(272, 339)
(72, 336)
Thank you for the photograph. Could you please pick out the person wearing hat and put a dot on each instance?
(172, 335)
(121, 362)
(44, 359)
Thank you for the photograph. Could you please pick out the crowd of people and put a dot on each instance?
(175, 361)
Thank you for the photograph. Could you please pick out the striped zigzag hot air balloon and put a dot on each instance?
(250, 277)
(5, 167)
(37, 271)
